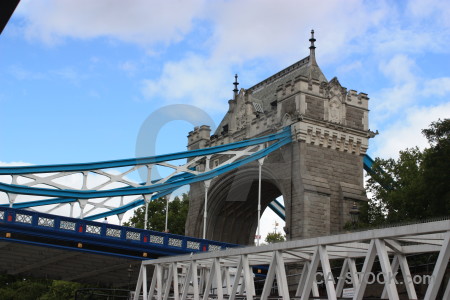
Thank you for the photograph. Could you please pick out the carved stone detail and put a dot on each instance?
(334, 111)
(330, 138)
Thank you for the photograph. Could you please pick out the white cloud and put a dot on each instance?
(394, 39)
(430, 9)
(194, 80)
(392, 100)
(14, 164)
(407, 132)
(128, 67)
(437, 87)
(355, 66)
(408, 89)
(139, 21)
(241, 30)
(70, 74)
(21, 73)
(248, 29)
(399, 69)
(244, 29)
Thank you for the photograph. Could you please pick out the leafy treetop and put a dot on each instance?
(416, 186)
(178, 209)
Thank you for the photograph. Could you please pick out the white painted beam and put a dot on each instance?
(388, 275)
(439, 269)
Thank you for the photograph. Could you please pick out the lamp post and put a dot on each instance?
(166, 228)
(205, 213)
(258, 235)
(354, 214)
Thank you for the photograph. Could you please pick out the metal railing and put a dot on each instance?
(43, 224)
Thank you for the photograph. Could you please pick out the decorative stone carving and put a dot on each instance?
(241, 117)
(334, 112)
(287, 120)
(330, 138)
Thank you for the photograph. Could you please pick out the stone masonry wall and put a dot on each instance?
(355, 117)
(314, 108)
(318, 207)
(335, 167)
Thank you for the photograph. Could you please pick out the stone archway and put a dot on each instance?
(233, 203)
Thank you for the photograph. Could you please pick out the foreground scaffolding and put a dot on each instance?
(229, 274)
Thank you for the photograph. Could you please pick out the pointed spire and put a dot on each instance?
(236, 83)
(312, 50)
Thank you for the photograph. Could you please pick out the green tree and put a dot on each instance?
(19, 288)
(416, 185)
(436, 168)
(178, 209)
(15, 288)
(274, 237)
(61, 290)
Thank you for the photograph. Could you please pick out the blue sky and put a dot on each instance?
(79, 78)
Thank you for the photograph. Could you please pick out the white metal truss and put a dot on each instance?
(228, 274)
(110, 179)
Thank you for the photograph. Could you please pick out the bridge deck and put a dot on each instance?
(58, 247)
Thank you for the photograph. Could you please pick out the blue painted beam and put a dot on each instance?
(56, 231)
(368, 164)
(278, 209)
(86, 194)
(144, 160)
(40, 202)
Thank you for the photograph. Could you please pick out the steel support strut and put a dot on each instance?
(209, 270)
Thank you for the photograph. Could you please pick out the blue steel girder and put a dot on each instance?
(58, 231)
(89, 194)
(240, 152)
(144, 160)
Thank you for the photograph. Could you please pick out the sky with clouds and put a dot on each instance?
(78, 79)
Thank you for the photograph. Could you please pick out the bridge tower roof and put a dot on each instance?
(306, 68)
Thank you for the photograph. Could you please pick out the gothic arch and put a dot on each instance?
(232, 204)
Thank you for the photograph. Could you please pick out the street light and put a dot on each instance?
(354, 214)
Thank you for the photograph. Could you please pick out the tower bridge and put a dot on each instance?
(319, 173)
(295, 134)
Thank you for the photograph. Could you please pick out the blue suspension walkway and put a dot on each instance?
(244, 152)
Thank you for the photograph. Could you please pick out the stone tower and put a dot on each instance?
(319, 175)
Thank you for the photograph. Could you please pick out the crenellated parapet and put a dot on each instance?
(199, 137)
(299, 101)
(330, 137)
